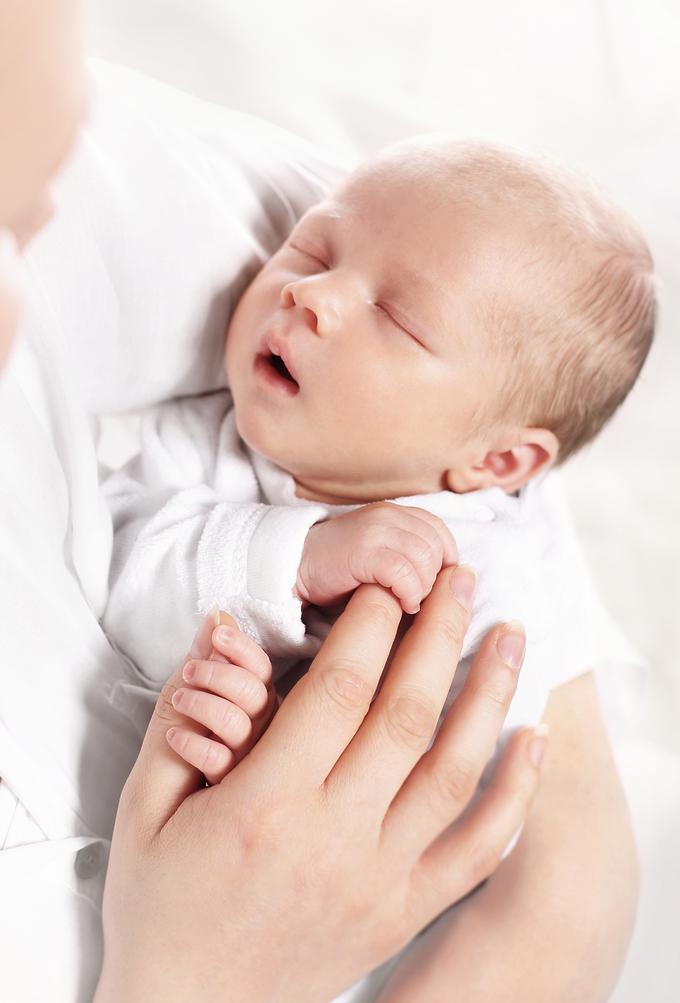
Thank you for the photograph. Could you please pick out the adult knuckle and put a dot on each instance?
(382, 613)
(484, 859)
(456, 781)
(411, 719)
(346, 687)
(497, 692)
(448, 632)
(260, 828)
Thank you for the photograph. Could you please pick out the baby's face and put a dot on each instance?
(356, 357)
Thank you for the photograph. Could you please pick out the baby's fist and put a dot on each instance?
(400, 548)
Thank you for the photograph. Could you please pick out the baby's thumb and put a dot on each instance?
(160, 781)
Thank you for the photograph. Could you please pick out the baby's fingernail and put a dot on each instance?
(170, 734)
(178, 697)
(200, 646)
(538, 744)
(463, 585)
(511, 644)
(223, 635)
(189, 671)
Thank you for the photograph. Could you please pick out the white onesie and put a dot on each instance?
(201, 520)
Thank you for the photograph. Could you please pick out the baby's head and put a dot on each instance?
(454, 316)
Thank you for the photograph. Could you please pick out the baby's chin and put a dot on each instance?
(259, 437)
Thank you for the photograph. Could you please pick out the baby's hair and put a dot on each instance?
(577, 347)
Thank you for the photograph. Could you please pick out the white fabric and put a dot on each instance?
(201, 521)
(168, 207)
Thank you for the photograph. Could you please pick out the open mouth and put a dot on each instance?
(275, 371)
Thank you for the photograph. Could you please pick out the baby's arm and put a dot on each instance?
(231, 696)
(191, 532)
(554, 921)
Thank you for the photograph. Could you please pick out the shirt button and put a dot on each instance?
(90, 861)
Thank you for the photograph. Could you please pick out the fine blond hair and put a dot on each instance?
(576, 319)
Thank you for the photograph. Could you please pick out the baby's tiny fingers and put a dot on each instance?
(213, 759)
(232, 682)
(446, 538)
(227, 721)
(393, 571)
(242, 650)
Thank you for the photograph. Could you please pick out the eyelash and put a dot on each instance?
(378, 306)
(312, 257)
(401, 327)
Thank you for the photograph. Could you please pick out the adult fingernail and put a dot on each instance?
(511, 644)
(463, 585)
(538, 744)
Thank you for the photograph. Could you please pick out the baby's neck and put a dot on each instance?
(331, 493)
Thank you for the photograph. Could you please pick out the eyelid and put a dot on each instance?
(307, 254)
(390, 312)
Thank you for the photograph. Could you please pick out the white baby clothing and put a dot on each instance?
(201, 520)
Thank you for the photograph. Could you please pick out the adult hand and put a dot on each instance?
(330, 845)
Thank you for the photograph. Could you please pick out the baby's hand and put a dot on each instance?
(401, 548)
(231, 695)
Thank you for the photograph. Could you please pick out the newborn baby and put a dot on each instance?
(427, 342)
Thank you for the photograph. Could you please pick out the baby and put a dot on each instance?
(428, 341)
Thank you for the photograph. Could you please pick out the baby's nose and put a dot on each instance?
(318, 312)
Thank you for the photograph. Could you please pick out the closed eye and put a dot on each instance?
(397, 323)
(308, 254)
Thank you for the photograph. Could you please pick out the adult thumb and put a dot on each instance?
(160, 781)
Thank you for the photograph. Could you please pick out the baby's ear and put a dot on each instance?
(508, 468)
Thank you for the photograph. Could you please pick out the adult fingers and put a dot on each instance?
(441, 786)
(323, 711)
(470, 851)
(403, 717)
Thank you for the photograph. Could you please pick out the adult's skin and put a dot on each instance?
(338, 803)
(203, 884)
